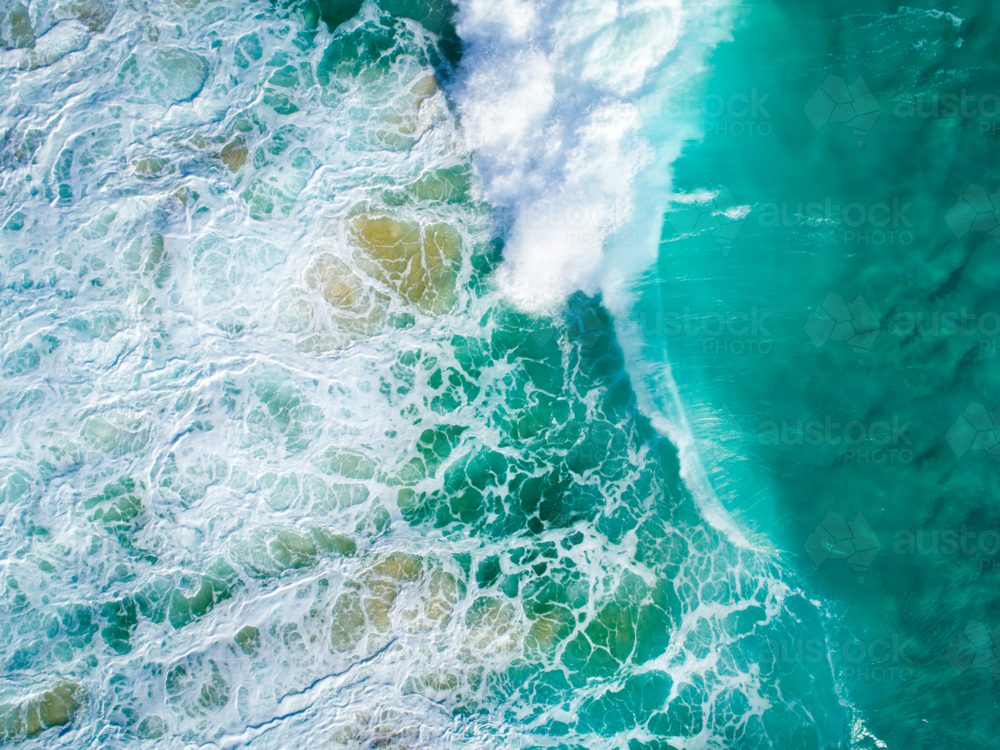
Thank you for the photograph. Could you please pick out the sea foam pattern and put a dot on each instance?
(281, 468)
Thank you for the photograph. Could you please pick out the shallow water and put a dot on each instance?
(419, 375)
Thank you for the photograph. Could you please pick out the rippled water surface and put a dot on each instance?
(363, 384)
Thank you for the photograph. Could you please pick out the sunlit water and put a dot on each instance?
(335, 411)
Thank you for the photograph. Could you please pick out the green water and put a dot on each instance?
(330, 418)
(793, 428)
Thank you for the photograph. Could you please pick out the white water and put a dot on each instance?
(554, 103)
(185, 305)
(565, 104)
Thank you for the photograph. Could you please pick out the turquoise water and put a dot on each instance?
(805, 417)
(518, 374)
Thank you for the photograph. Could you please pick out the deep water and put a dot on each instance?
(806, 404)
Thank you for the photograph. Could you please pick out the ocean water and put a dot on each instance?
(516, 374)
(833, 333)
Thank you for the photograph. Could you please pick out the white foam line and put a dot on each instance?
(669, 418)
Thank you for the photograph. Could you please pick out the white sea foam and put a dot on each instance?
(554, 103)
(169, 191)
(566, 106)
